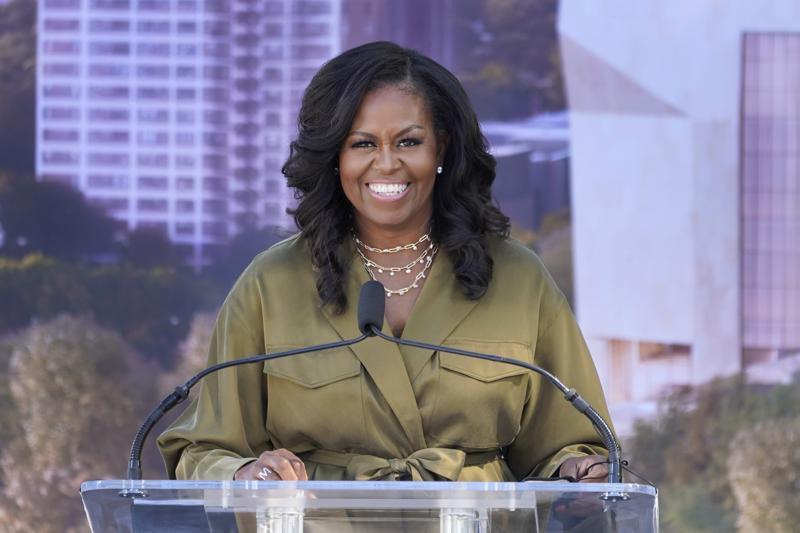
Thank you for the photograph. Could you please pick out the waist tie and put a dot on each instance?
(428, 464)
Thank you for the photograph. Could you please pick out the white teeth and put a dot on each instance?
(388, 189)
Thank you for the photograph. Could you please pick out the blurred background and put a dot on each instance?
(648, 151)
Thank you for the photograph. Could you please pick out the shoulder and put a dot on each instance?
(511, 257)
(281, 264)
(519, 273)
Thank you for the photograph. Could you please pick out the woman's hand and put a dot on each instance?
(273, 466)
(588, 469)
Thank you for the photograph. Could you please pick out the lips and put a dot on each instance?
(388, 190)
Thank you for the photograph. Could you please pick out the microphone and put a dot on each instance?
(371, 306)
(571, 395)
(370, 315)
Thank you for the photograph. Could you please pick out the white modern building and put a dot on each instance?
(178, 114)
(685, 140)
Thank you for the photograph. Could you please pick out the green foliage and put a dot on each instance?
(687, 449)
(510, 62)
(72, 384)
(151, 308)
(52, 218)
(763, 470)
(17, 85)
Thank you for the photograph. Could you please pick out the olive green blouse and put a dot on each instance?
(379, 411)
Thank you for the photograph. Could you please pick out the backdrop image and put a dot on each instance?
(649, 153)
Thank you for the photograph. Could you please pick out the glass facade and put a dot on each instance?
(770, 192)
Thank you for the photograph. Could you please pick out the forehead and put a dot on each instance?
(391, 107)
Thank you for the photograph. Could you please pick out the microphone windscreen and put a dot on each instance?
(370, 306)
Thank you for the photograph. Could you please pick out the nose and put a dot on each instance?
(386, 161)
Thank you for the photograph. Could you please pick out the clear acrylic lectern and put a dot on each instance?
(355, 507)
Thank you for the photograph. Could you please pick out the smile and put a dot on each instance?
(388, 189)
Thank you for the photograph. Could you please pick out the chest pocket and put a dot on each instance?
(479, 403)
(314, 398)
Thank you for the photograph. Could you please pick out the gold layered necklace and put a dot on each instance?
(424, 259)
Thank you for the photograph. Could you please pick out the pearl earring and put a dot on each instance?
(439, 170)
(336, 170)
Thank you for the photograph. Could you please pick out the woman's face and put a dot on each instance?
(387, 164)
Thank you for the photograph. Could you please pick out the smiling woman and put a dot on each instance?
(394, 183)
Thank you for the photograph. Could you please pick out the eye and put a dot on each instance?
(409, 141)
(361, 144)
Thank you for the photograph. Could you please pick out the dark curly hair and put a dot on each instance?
(464, 215)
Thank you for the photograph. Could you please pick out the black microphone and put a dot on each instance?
(371, 305)
(370, 315)
(602, 427)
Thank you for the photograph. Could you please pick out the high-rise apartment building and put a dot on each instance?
(177, 114)
(685, 140)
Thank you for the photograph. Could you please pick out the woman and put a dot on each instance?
(394, 183)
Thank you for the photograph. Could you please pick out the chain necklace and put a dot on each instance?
(414, 284)
(370, 266)
(394, 250)
(369, 263)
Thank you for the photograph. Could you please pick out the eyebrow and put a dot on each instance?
(403, 132)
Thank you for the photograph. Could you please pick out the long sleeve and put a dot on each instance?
(224, 427)
(552, 430)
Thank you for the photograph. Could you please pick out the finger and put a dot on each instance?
(297, 463)
(281, 465)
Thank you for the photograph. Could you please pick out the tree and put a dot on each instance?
(685, 451)
(52, 218)
(73, 384)
(17, 85)
(510, 62)
(192, 352)
(148, 248)
(763, 469)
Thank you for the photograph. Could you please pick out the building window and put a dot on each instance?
(157, 205)
(109, 71)
(109, 49)
(153, 49)
(111, 160)
(153, 115)
(60, 135)
(60, 158)
(183, 116)
(153, 26)
(71, 92)
(186, 73)
(184, 138)
(109, 115)
(184, 228)
(62, 48)
(106, 136)
(153, 182)
(61, 69)
(62, 24)
(108, 93)
(184, 206)
(152, 138)
(184, 161)
(153, 160)
(153, 93)
(153, 71)
(110, 4)
(184, 184)
(108, 181)
(102, 25)
(111, 204)
(60, 113)
(214, 184)
(62, 4)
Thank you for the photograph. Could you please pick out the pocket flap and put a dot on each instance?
(481, 369)
(313, 370)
